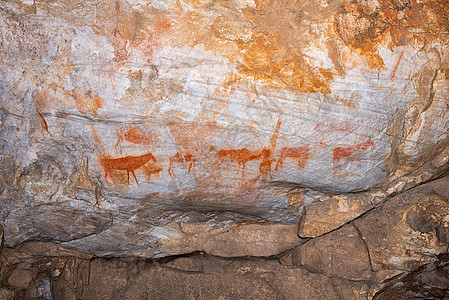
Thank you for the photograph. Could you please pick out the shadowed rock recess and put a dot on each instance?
(224, 149)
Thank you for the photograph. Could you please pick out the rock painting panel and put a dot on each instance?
(342, 156)
(135, 135)
(300, 153)
(173, 78)
(183, 158)
(43, 123)
(126, 163)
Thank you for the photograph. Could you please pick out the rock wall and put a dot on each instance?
(398, 250)
(235, 128)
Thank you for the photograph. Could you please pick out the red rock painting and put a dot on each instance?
(135, 135)
(350, 153)
(127, 163)
(393, 73)
(181, 158)
(241, 156)
(300, 153)
(322, 127)
(265, 165)
(87, 103)
(43, 123)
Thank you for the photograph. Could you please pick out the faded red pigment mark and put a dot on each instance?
(300, 153)
(127, 163)
(229, 86)
(265, 165)
(334, 127)
(241, 156)
(120, 45)
(135, 135)
(43, 123)
(181, 158)
(151, 170)
(397, 65)
(350, 152)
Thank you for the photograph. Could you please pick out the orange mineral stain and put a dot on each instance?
(127, 163)
(393, 23)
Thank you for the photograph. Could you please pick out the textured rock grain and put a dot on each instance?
(341, 253)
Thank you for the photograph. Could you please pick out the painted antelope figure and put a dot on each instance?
(241, 156)
(135, 135)
(181, 158)
(350, 152)
(301, 153)
(265, 165)
(127, 163)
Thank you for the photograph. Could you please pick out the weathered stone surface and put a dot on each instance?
(1, 239)
(227, 239)
(240, 240)
(6, 294)
(122, 121)
(326, 213)
(199, 276)
(217, 279)
(20, 278)
(58, 222)
(404, 232)
(429, 282)
(341, 253)
(29, 250)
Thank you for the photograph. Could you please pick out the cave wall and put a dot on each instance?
(233, 128)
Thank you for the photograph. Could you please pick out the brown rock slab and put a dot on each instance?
(331, 212)
(6, 294)
(1, 239)
(20, 278)
(408, 230)
(341, 253)
(236, 240)
(218, 279)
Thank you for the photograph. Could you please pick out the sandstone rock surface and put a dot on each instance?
(154, 128)
(341, 253)
(406, 231)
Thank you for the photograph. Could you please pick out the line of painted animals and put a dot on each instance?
(240, 156)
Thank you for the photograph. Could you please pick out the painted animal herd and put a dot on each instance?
(240, 156)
